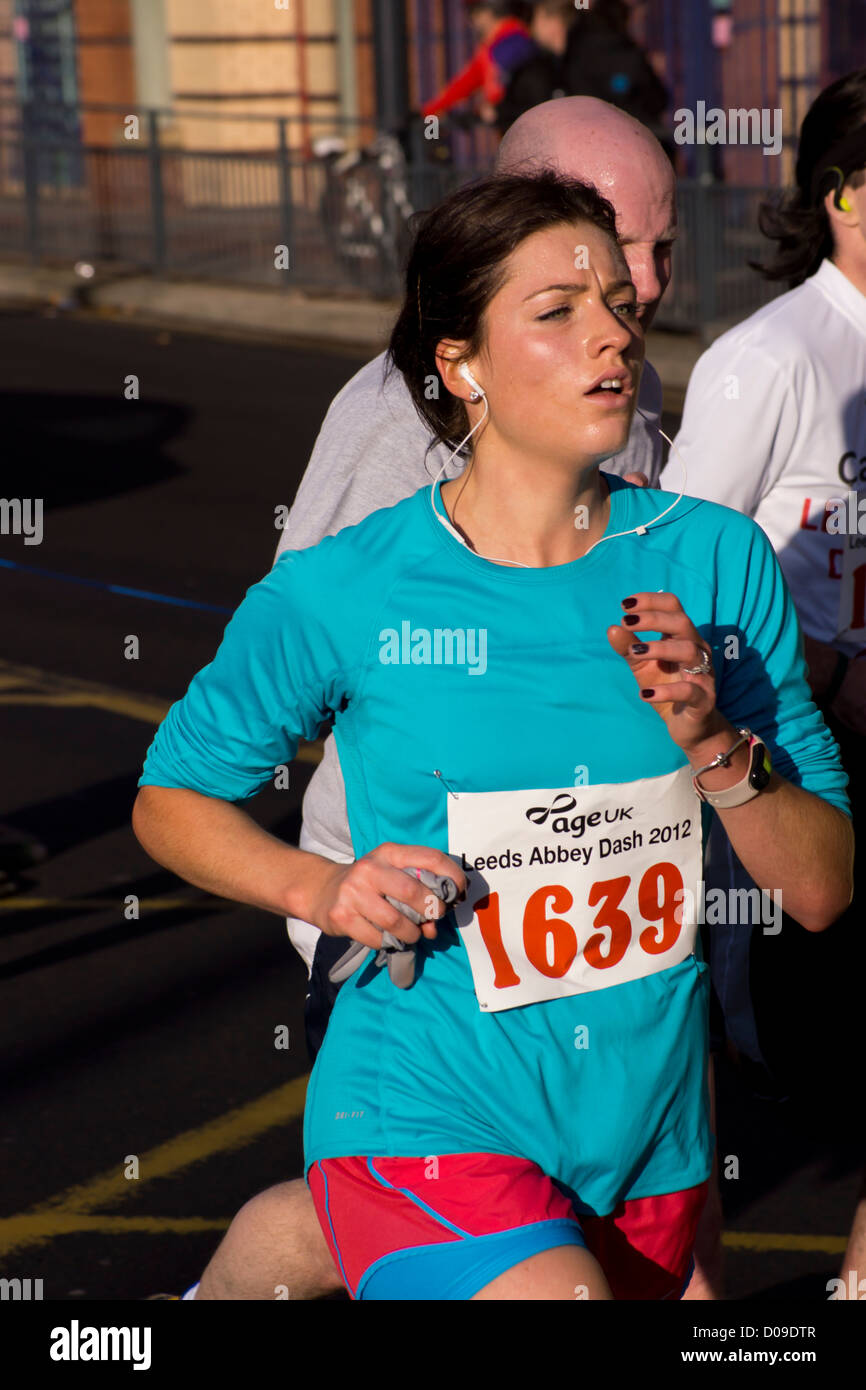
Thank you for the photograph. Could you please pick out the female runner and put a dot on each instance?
(543, 681)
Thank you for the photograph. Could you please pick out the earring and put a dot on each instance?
(475, 395)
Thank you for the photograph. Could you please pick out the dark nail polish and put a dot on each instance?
(629, 602)
(631, 619)
(647, 694)
(638, 648)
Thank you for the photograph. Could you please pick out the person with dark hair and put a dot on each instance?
(831, 154)
(525, 1115)
(603, 60)
(372, 451)
(504, 43)
(541, 76)
(775, 425)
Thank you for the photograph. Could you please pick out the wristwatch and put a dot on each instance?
(755, 780)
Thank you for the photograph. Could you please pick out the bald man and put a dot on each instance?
(373, 450)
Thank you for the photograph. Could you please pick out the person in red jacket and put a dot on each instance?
(505, 43)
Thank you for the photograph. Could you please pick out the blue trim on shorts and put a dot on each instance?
(404, 1192)
(457, 1269)
(331, 1224)
(688, 1278)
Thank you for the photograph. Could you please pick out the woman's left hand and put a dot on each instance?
(684, 698)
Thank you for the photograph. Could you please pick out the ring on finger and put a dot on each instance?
(705, 668)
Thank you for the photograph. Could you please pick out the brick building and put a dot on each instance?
(208, 60)
(200, 184)
(219, 64)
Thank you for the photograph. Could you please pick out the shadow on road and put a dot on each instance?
(70, 449)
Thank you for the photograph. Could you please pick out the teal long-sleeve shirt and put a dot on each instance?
(433, 660)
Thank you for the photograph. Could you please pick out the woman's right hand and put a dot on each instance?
(351, 900)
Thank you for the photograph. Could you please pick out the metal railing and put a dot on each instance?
(226, 214)
(712, 286)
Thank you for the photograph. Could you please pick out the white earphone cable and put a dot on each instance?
(642, 530)
(444, 519)
(615, 535)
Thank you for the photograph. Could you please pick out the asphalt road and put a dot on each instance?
(154, 1038)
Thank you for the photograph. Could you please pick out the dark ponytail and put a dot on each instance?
(798, 223)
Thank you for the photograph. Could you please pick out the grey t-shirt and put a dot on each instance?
(371, 452)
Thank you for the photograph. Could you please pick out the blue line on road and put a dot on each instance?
(116, 588)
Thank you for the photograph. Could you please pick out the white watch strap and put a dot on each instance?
(737, 795)
(741, 791)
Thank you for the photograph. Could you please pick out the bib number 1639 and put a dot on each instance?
(550, 942)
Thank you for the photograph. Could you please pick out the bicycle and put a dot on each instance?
(371, 193)
(365, 207)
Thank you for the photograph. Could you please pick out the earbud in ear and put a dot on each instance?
(841, 203)
(464, 371)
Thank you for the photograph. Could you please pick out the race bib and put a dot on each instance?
(576, 889)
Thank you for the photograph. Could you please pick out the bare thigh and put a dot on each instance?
(274, 1248)
(566, 1272)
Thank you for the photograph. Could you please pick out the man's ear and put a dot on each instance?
(449, 356)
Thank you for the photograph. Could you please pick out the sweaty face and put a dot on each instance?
(648, 250)
(563, 323)
(637, 178)
(646, 222)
